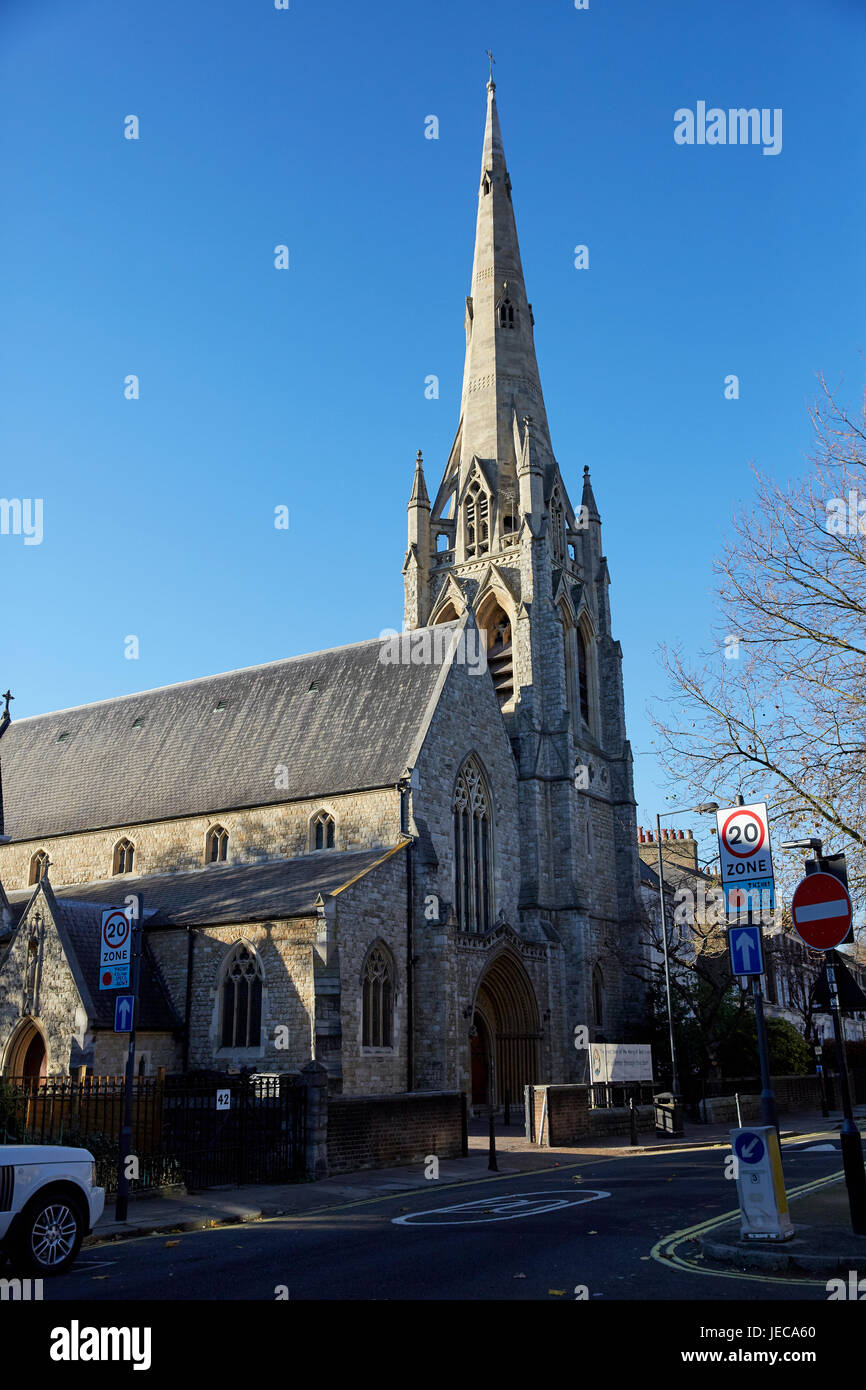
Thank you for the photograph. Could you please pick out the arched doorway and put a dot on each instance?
(504, 1050)
(27, 1055)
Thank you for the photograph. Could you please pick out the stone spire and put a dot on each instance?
(501, 384)
(419, 487)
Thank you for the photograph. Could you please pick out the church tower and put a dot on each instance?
(503, 539)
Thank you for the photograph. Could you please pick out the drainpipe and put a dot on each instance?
(403, 787)
(190, 949)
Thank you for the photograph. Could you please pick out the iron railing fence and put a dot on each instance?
(202, 1130)
(611, 1095)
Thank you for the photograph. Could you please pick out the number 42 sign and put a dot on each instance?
(745, 857)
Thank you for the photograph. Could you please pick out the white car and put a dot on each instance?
(49, 1202)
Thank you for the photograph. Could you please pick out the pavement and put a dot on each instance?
(823, 1238)
(823, 1242)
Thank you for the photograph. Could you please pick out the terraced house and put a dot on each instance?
(410, 859)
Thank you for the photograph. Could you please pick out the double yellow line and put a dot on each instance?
(665, 1250)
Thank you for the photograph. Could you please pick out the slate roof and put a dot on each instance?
(337, 721)
(222, 893)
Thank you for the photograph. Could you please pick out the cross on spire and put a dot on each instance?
(489, 53)
(7, 696)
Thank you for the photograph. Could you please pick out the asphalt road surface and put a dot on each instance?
(599, 1228)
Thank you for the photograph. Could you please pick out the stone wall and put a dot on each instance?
(53, 1000)
(285, 950)
(371, 911)
(377, 1131)
(364, 820)
(153, 1049)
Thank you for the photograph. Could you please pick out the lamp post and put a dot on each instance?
(705, 808)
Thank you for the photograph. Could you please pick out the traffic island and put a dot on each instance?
(823, 1242)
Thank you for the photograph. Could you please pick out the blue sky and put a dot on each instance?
(306, 388)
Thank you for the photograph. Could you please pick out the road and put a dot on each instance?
(596, 1228)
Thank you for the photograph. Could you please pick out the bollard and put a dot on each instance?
(491, 1160)
(632, 1119)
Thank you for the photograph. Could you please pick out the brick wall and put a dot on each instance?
(376, 1131)
(792, 1093)
(567, 1116)
(563, 1111)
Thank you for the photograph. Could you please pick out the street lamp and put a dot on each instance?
(705, 808)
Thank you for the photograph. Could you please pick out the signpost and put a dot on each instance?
(822, 915)
(745, 856)
(747, 950)
(124, 1011)
(115, 943)
(746, 863)
(113, 939)
(760, 1186)
(821, 911)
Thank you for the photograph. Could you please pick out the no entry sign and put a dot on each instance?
(745, 857)
(821, 911)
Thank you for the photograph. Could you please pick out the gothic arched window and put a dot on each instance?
(38, 863)
(583, 675)
(322, 830)
(216, 845)
(557, 528)
(506, 314)
(473, 849)
(377, 1007)
(477, 520)
(241, 999)
(124, 854)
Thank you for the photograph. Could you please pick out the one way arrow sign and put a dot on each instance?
(747, 955)
(124, 1007)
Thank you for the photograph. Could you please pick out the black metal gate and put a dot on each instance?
(236, 1129)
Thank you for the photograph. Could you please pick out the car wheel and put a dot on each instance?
(50, 1233)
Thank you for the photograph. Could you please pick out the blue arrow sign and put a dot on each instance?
(124, 1007)
(747, 955)
(749, 1148)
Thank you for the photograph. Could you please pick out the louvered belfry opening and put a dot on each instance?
(496, 626)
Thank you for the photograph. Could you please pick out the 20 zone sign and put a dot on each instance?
(745, 856)
(744, 831)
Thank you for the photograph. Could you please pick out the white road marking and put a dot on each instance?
(501, 1208)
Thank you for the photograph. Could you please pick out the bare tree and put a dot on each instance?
(700, 972)
(778, 710)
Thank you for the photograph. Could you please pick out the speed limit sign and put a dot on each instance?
(745, 857)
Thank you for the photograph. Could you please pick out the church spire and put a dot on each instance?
(501, 383)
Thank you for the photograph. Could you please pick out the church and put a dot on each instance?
(413, 859)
